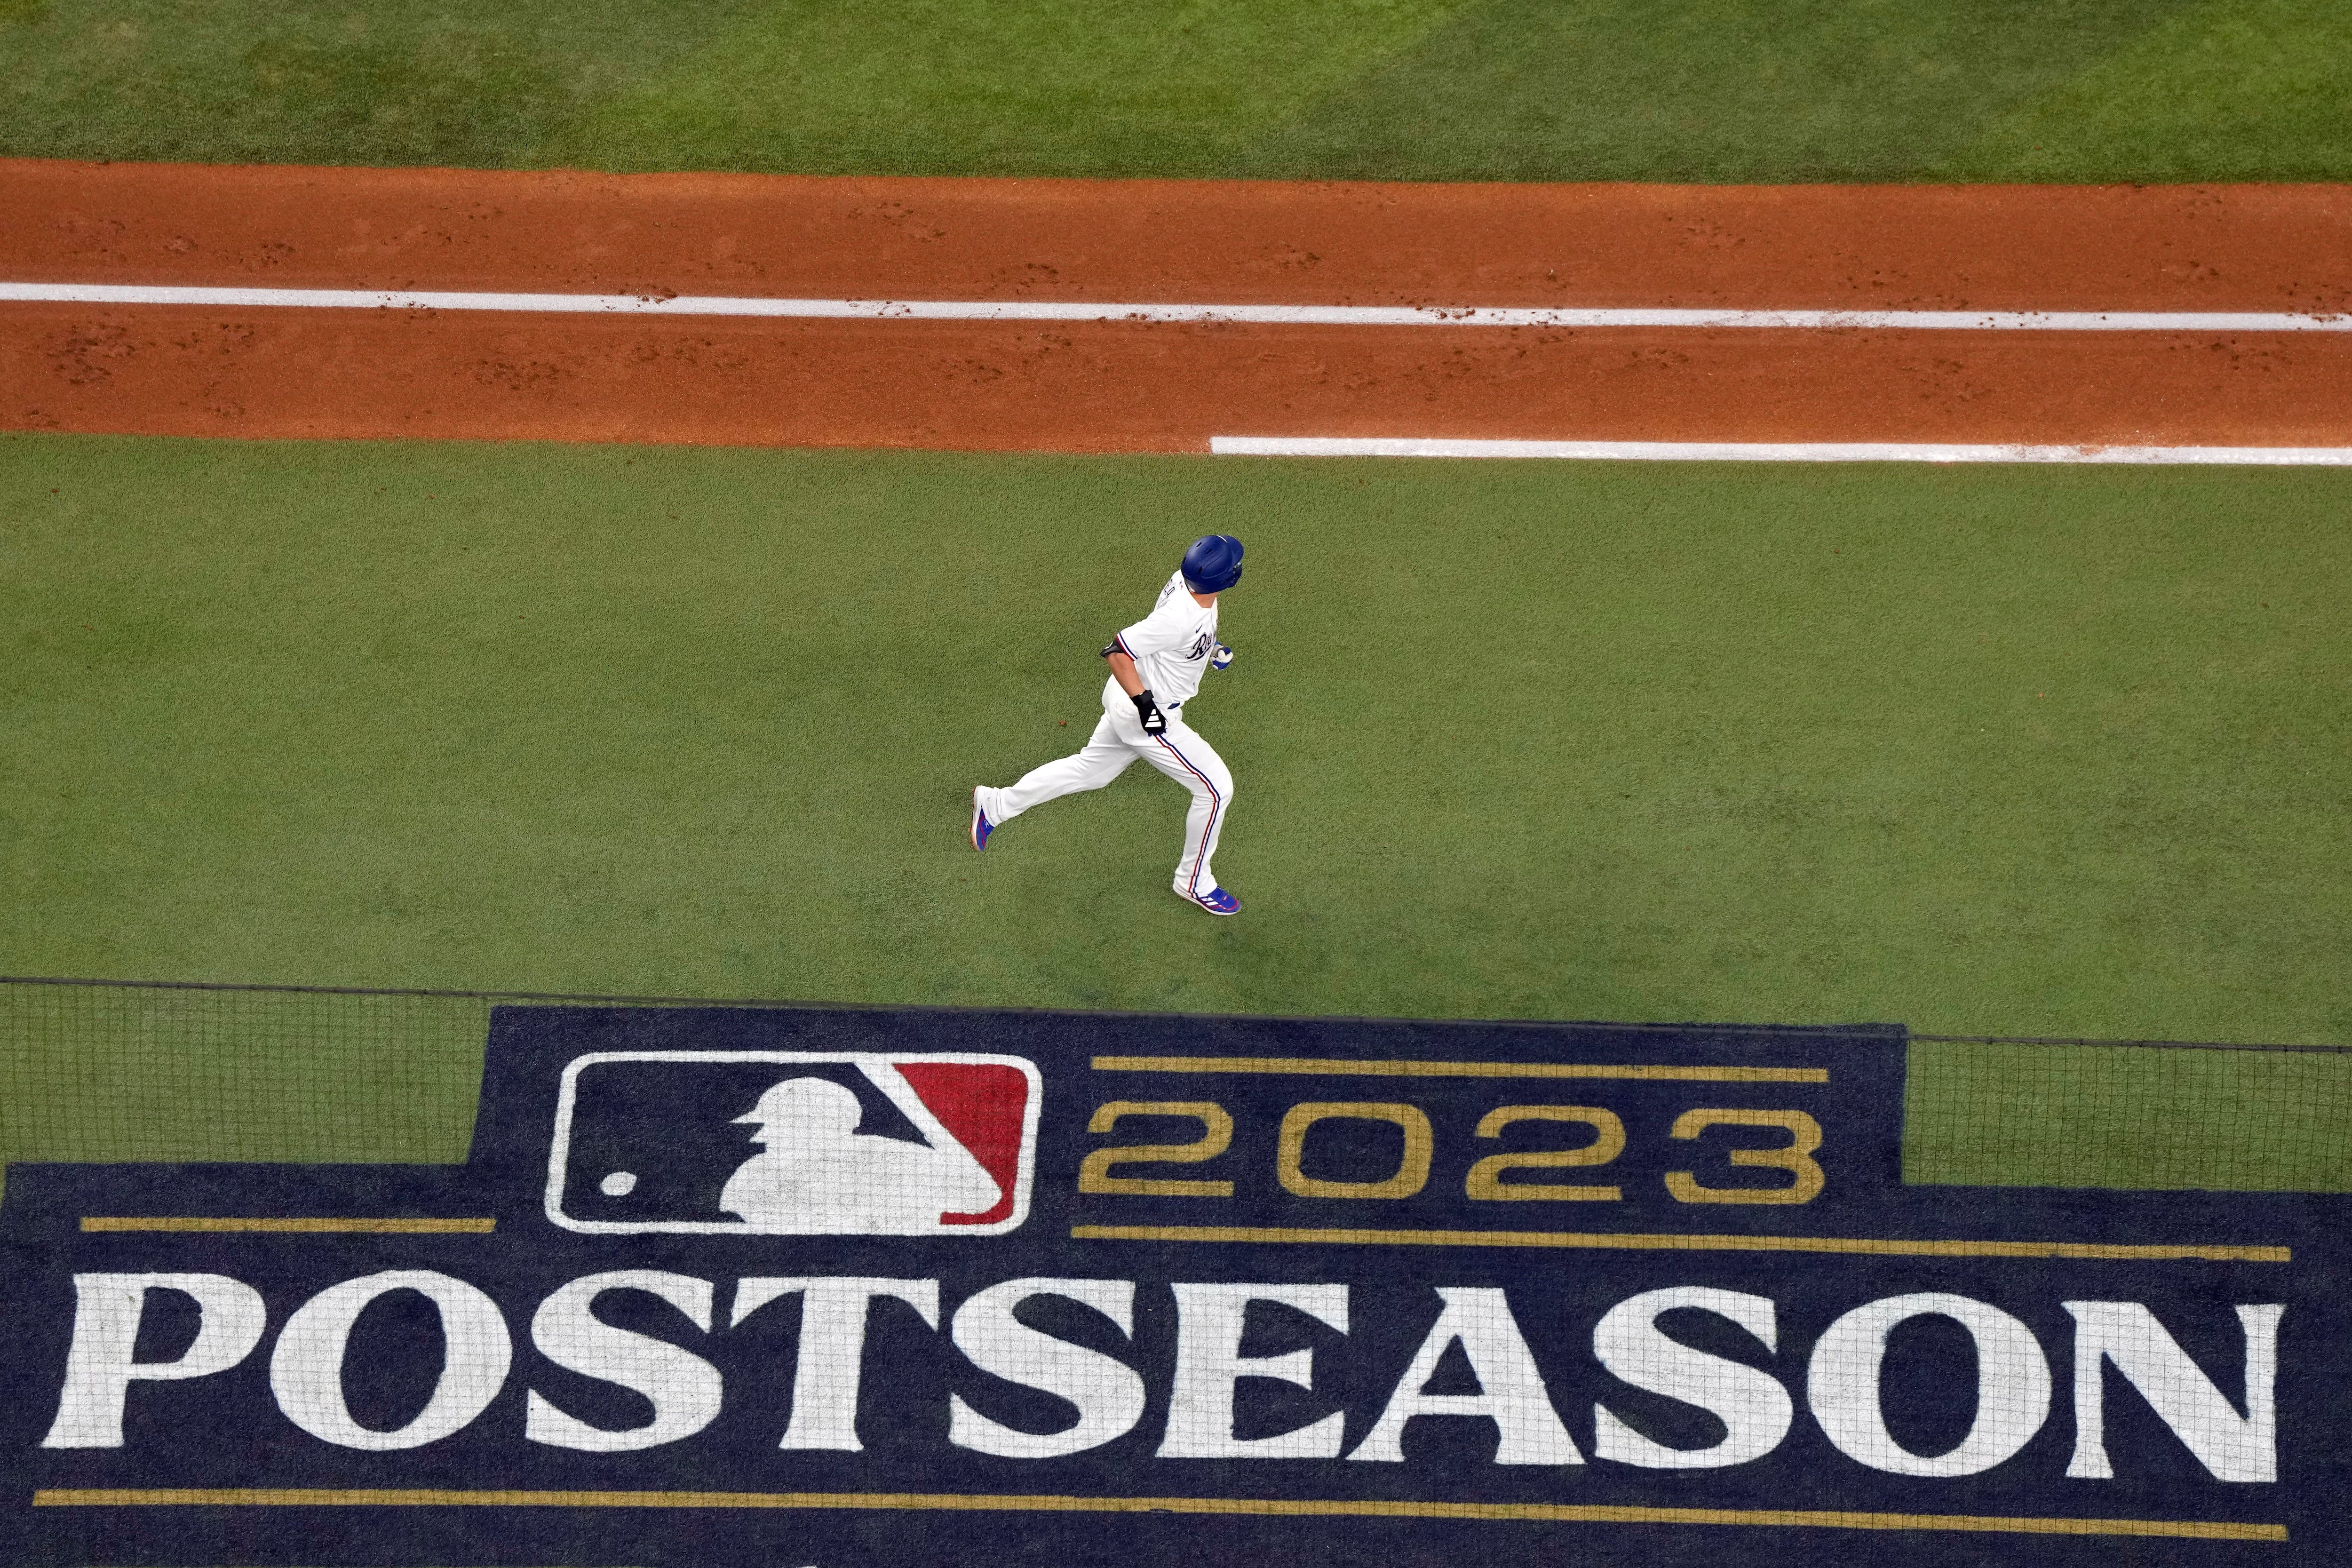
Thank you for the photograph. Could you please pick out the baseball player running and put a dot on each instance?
(1155, 669)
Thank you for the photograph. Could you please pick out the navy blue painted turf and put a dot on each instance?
(680, 1126)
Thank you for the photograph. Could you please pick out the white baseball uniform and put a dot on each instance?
(1171, 648)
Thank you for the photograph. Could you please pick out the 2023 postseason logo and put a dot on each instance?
(802, 1286)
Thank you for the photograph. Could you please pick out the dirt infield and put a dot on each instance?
(1135, 386)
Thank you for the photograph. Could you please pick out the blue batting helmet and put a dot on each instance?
(1213, 563)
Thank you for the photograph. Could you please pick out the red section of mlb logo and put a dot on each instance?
(984, 1106)
(793, 1144)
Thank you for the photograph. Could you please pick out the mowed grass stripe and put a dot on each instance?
(1712, 91)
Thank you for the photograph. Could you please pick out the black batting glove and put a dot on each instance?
(1155, 723)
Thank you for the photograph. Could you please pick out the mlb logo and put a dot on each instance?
(793, 1144)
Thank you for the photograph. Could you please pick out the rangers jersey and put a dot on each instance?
(1171, 646)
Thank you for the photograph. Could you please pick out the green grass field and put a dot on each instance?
(1982, 749)
(1759, 90)
(1997, 751)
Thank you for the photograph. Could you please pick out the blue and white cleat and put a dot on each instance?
(1216, 900)
(981, 826)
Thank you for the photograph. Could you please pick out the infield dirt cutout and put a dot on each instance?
(1159, 386)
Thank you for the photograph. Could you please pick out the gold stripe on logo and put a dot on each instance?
(1369, 1508)
(1372, 1069)
(1626, 1241)
(297, 1225)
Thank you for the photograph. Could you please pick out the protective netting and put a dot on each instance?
(104, 1072)
(131, 1073)
(2037, 1113)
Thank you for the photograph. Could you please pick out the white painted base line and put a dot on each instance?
(1270, 315)
(1768, 451)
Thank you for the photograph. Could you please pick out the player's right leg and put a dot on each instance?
(1102, 759)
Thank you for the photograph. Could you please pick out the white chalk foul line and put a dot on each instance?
(1769, 451)
(1271, 315)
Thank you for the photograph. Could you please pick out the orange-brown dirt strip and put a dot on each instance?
(1128, 387)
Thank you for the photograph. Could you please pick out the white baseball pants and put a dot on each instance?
(1116, 742)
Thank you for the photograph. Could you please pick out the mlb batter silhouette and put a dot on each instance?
(817, 1174)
